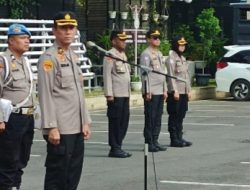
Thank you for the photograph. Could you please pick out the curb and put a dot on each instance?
(198, 93)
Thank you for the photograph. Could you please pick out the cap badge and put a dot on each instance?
(67, 17)
(16, 30)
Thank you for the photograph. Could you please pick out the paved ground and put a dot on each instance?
(218, 160)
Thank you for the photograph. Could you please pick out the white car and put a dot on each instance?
(233, 72)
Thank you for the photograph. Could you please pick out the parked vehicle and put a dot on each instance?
(233, 72)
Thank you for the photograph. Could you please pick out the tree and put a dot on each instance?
(17, 7)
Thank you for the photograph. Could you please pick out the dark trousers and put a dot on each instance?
(15, 146)
(177, 112)
(64, 163)
(153, 113)
(118, 115)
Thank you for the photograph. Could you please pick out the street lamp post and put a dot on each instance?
(136, 11)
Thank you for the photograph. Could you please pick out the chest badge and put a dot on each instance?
(61, 54)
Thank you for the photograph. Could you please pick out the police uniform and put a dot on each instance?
(60, 88)
(16, 140)
(116, 76)
(154, 84)
(177, 66)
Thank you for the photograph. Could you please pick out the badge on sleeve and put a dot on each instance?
(47, 65)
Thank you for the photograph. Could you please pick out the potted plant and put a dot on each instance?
(136, 84)
(209, 28)
(112, 14)
(124, 15)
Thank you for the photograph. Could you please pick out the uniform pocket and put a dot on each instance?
(18, 79)
(120, 67)
(67, 78)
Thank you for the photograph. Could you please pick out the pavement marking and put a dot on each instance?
(102, 143)
(205, 184)
(38, 140)
(188, 116)
(130, 132)
(35, 155)
(198, 105)
(245, 162)
(204, 110)
(206, 124)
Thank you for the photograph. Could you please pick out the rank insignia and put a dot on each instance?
(47, 65)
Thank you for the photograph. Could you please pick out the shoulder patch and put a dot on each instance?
(47, 65)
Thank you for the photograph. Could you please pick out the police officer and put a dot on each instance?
(65, 119)
(116, 75)
(154, 90)
(179, 92)
(16, 134)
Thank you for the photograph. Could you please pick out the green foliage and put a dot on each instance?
(103, 40)
(165, 47)
(18, 7)
(209, 28)
(135, 78)
(81, 3)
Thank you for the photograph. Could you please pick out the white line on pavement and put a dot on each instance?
(102, 143)
(141, 123)
(205, 184)
(35, 155)
(130, 132)
(245, 162)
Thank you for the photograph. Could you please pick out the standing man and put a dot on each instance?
(116, 75)
(65, 119)
(154, 90)
(16, 133)
(179, 93)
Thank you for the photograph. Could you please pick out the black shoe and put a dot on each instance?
(152, 148)
(119, 154)
(186, 143)
(177, 143)
(160, 147)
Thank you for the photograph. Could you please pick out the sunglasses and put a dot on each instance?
(155, 37)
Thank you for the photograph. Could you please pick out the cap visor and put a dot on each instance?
(67, 23)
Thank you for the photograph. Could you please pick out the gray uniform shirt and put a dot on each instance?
(19, 81)
(116, 75)
(156, 83)
(178, 66)
(61, 95)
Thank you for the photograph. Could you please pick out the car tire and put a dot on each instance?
(240, 90)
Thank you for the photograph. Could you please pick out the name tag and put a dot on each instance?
(64, 65)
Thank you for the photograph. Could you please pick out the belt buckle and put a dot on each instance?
(17, 110)
(30, 111)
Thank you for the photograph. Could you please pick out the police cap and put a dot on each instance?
(65, 18)
(118, 34)
(152, 33)
(18, 29)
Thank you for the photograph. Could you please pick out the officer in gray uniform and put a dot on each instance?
(116, 75)
(16, 134)
(179, 92)
(154, 90)
(65, 118)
